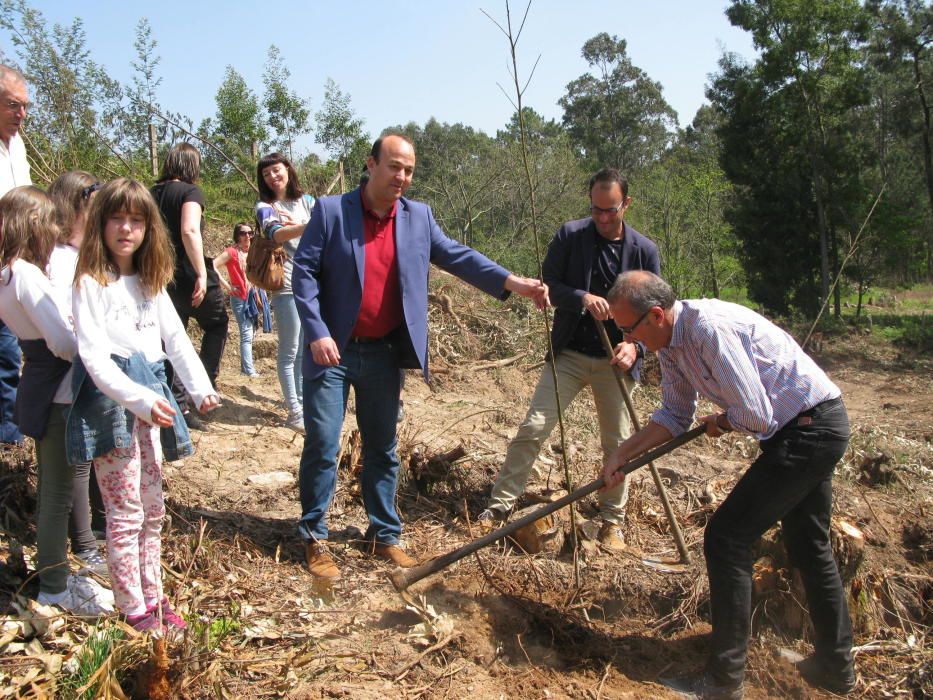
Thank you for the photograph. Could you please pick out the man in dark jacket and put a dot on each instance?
(582, 262)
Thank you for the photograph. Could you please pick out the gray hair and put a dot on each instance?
(10, 74)
(642, 290)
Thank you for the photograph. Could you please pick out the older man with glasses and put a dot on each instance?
(582, 262)
(14, 172)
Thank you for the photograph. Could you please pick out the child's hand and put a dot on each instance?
(162, 413)
(210, 403)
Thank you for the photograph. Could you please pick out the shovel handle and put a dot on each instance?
(403, 578)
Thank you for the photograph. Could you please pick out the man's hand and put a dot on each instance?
(533, 289)
(209, 403)
(597, 306)
(200, 289)
(716, 424)
(325, 352)
(617, 459)
(162, 413)
(624, 355)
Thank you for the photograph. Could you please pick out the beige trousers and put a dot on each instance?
(574, 372)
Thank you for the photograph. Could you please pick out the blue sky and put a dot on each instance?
(406, 61)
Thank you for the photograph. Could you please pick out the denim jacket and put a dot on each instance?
(97, 424)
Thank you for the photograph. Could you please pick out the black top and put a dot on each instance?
(607, 264)
(171, 196)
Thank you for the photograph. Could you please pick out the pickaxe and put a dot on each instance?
(403, 578)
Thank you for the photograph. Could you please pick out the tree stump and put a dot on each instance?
(544, 535)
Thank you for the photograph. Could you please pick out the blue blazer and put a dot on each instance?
(327, 277)
(568, 266)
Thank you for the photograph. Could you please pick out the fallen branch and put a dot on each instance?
(403, 671)
(495, 364)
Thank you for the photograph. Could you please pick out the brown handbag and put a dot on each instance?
(265, 264)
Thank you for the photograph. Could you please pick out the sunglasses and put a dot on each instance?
(89, 190)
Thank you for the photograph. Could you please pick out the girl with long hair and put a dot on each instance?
(29, 308)
(125, 416)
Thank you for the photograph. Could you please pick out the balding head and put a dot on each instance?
(642, 290)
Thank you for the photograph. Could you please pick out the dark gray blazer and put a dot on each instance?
(567, 268)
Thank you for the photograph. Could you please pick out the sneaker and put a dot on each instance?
(82, 596)
(319, 562)
(170, 618)
(817, 675)
(296, 422)
(193, 421)
(401, 411)
(703, 687)
(95, 562)
(610, 537)
(394, 554)
(146, 623)
(491, 519)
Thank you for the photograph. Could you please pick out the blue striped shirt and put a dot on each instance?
(740, 361)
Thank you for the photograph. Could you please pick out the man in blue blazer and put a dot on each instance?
(581, 264)
(360, 280)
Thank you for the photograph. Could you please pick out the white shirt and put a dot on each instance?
(62, 264)
(29, 309)
(118, 319)
(14, 168)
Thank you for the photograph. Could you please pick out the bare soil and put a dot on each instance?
(505, 624)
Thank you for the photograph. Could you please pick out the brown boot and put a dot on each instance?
(319, 562)
(610, 537)
(394, 554)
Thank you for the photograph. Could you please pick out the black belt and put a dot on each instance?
(364, 340)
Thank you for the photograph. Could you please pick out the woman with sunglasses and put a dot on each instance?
(281, 213)
(238, 287)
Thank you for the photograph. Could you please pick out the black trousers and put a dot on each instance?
(212, 317)
(790, 482)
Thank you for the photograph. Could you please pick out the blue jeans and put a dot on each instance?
(291, 340)
(372, 371)
(790, 483)
(245, 324)
(10, 361)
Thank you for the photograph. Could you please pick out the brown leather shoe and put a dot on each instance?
(394, 554)
(319, 562)
(610, 537)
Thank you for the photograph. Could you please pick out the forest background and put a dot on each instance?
(810, 164)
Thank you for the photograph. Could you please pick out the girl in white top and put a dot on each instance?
(71, 193)
(29, 309)
(120, 308)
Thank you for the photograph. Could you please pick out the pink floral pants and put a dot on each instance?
(131, 485)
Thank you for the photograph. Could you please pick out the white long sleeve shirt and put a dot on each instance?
(30, 310)
(118, 319)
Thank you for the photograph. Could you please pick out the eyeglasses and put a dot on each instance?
(595, 211)
(628, 329)
(16, 105)
(89, 190)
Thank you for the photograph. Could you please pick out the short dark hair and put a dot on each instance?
(238, 229)
(292, 189)
(642, 290)
(606, 177)
(183, 162)
(376, 150)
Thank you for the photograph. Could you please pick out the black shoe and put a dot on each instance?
(192, 421)
(703, 687)
(817, 675)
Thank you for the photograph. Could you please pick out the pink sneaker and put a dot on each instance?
(170, 618)
(146, 623)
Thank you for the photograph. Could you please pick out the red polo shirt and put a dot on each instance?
(381, 308)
